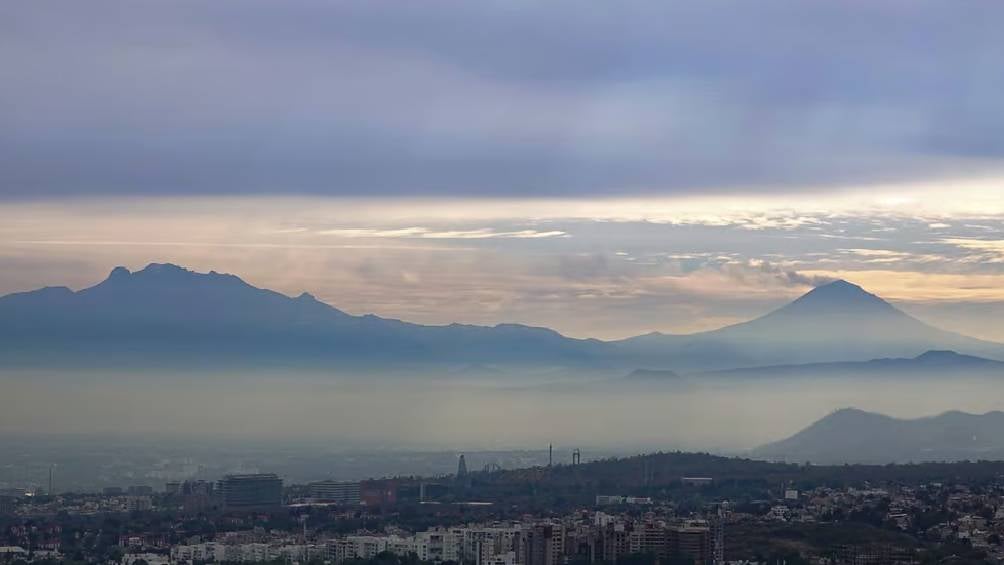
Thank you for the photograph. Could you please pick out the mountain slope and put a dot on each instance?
(855, 436)
(165, 313)
(838, 321)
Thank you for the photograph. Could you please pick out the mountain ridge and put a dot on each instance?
(929, 362)
(168, 311)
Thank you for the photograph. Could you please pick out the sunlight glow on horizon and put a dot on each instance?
(625, 266)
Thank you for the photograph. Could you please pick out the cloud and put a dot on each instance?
(427, 233)
(515, 100)
(587, 267)
(759, 269)
(921, 287)
(988, 250)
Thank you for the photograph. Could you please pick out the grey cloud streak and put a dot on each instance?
(512, 99)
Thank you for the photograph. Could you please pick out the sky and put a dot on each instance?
(602, 169)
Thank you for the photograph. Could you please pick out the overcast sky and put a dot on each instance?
(604, 169)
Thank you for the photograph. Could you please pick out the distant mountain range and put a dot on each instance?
(928, 364)
(835, 322)
(166, 315)
(651, 376)
(856, 436)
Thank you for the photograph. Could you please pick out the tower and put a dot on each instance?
(550, 454)
(463, 480)
(576, 456)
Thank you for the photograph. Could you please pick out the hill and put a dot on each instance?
(733, 478)
(855, 436)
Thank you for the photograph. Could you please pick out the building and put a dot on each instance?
(610, 500)
(251, 491)
(480, 545)
(692, 539)
(649, 538)
(616, 542)
(378, 492)
(538, 545)
(348, 493)
(437, 545)
(196, 487)
(137, 503)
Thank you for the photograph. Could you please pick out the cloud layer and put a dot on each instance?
(589, 268)
(498, 98)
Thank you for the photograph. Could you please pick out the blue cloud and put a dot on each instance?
(510, 99)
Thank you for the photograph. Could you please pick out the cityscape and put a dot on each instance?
(652, 282)
(542, 515)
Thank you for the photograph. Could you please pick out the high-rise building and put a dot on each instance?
(336, 491)
(649, 538)
(616, 542)
(538, 545)
(692, 540)
(250, 491)
(379, 492)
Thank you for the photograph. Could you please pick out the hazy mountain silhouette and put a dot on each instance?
(652, 375)
(855, 436)
(838, 321)
(928, 364)
(165, 314)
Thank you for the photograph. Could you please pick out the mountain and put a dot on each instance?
(928, 364)
(855, 436)
(651, 376)
(166, 315)
(838, 321)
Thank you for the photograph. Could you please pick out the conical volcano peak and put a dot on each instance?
(840, 287)
(839, 284)
(840, 295)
